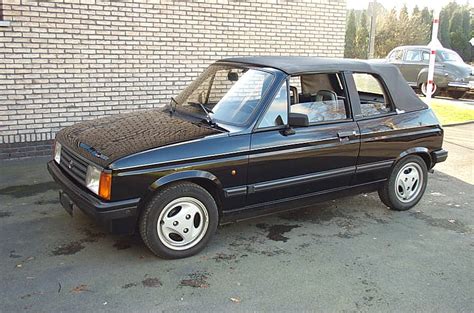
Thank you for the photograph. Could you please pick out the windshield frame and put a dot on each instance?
(226, 124)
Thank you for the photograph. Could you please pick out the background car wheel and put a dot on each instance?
(406, 184)
(179, 221)
(456, 94)
(423, 89)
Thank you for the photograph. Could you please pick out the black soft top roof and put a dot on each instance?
(402, 94)
(301, 65)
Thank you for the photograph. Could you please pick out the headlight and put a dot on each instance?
(99, 182)
(93, 179)
(57, 152)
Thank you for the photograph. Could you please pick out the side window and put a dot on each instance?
(426, 56)
(373, 96)
(277, 112)
(320, 96)
(396, 55)
(413, 56)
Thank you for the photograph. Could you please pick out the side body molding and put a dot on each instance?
(184, 175)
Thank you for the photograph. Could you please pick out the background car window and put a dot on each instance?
(320, 96)
(373, 97)
(396, 55)
(449, 56)
(279, 107)
(426, 56)
(414, 56)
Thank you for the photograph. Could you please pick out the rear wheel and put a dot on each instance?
(424, 89)
(406, 184)
(456, 94)
(179, 221)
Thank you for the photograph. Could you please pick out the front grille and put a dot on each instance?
(73, 165)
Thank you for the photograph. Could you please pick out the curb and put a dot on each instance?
(458, 124)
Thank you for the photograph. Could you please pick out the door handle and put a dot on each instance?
(346, 134)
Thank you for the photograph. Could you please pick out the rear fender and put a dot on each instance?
(420, 151)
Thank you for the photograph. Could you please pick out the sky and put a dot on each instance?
(388, 4)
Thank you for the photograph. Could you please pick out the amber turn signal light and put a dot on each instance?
(105, 185)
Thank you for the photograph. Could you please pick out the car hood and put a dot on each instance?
(108, 139)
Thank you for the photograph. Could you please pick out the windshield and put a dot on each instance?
(450, 56)
(229, 94)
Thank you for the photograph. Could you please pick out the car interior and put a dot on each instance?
(373, 97)
(320, 96)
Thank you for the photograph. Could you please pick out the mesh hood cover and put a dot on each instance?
(110, 138)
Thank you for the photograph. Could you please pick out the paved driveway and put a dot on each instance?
(347, 255)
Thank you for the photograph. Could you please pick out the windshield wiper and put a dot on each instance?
(172, 110)
(208, 118)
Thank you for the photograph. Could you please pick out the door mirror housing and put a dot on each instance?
(298, 120)
(232, 76)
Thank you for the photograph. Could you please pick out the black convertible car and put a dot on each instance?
(248, 137)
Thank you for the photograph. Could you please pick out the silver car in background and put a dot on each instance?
(452, 76)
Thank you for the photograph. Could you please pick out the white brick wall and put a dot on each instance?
(70, 60)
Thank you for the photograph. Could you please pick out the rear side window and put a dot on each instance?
(396, 55)
(374, 98)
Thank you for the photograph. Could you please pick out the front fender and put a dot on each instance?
(186, 175)
(439, 78)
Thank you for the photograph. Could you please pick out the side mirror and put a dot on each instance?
(298, 120)
(233, 76)
(279, 121)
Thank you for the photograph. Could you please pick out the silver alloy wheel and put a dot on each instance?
(409, 182)
(182, 223)
(424, 89)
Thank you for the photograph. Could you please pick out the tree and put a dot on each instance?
(443, 31)
(467, 30)
(362, 38)
(403, 14)
(388, 34)
(350, 36)
(402, 28)
(416, 31)
(416, 10)
(426, 18)
(459, 32)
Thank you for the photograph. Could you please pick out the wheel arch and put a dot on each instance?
(204, 179)
(422, 152)
(439, 79)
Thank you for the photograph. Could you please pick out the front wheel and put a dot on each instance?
(179, 221)
(406, 184)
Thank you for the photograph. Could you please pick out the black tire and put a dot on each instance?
(148, 222)
(435, 93)
(456, 94)
(388, 191)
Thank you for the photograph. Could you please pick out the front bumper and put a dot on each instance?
(117, 216)
(466, 86)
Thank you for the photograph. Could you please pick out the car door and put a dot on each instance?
(414, 61)
(378, 122)
(288, 163)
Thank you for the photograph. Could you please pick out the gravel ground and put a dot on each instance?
(348, 255)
